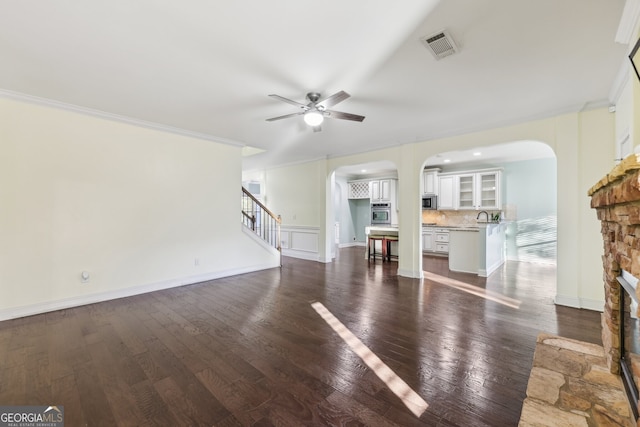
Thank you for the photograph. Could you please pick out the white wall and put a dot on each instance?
(597, 154)
(531, 191)
(134, 207)
(292, 192)
(300, 194)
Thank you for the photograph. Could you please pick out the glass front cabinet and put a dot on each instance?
(479, 190)
(488, 190)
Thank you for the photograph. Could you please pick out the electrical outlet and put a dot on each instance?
(196, 261)
(84, 277)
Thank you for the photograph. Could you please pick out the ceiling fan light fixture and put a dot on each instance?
(315, 110)
(313, 118)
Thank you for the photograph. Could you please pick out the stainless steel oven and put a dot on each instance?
(380, 213)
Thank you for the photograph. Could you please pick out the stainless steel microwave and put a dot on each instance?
(429, 202)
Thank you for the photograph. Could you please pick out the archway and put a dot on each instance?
(352, 202)
(527, 192)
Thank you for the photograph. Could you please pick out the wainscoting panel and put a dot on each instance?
(300, 242)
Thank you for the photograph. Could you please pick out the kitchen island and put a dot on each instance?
(382, 230)
(477, 250)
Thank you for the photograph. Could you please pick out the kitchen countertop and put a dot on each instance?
(476, 227)
(381, 228)
(453, 227)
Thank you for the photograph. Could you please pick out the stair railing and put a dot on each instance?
(260, 219)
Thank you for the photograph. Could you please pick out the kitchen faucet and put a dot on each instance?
(486, 215)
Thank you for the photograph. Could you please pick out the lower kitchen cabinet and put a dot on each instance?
(441, 238)
(427, 240)
(435, 240)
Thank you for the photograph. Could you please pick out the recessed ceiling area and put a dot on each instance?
(476, 158)
(364, 170)
(492, 155)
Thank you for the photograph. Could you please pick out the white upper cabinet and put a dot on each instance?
(430, 181)
(466, 192)
(480, 190)
(381, 190)
(488, 190)
(359, 190)
(446, 189)
(471, 190)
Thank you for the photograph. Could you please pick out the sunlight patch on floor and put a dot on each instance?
(474, 290)
(410, 398)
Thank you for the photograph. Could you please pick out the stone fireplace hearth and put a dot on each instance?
(616, 198)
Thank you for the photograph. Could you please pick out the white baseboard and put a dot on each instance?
(585, 303)
(410, 273)
(293, 253)
(486, 273)
(44, 307)
(567, 301)
(591, 304)
(352, 244)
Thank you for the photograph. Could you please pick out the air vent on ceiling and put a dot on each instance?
(440, 44)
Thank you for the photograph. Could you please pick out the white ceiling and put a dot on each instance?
(206, 67)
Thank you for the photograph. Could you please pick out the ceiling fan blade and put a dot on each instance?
(286, 116)
(289, 101)
(333, 99)
(344, 116)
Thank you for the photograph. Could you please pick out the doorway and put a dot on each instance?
(528, 193)
(354, 192)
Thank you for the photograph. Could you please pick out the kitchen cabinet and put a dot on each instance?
(480, 190)
(475, 190)
(427, 240)
(441, 240)
(380, 190)
(359, 189)
(435, 240)
(446, 188)
(430, 181)
(466, 195)
(488, 190)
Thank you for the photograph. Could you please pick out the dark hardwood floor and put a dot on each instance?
(251, 350)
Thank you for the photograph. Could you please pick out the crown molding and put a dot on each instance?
(620, 82)
(17, 96)
(628, 25)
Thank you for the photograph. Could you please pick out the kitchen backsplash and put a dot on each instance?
(454, 218)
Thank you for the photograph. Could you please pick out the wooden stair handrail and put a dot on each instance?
(259, 203)
(273, 241)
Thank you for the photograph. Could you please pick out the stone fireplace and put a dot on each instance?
(616, 198)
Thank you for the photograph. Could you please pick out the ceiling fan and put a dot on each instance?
(315, 111)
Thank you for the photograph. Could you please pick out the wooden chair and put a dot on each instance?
(373, 238)
(386, 243)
